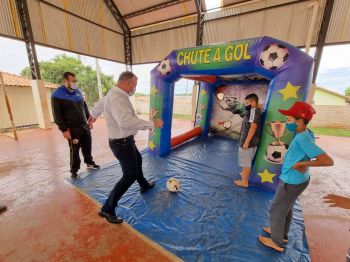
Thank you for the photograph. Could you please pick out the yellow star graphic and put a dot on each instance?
(289, 91)
(151, 145)
(266, 176)
(203, 92)
(154, 90)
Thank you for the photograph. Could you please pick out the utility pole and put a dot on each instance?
(98, 75)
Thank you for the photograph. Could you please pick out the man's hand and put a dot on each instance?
(245, 145)
(158, 123)
(301, 167)
(91, 120)
(66, 135)
(337, 201)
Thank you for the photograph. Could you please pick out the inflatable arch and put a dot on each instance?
(285, 68)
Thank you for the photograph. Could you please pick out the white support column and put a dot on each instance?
(314, 5)
(98, 75)
(41, 105)
(310, 98)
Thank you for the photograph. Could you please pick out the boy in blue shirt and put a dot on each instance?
(302, 154)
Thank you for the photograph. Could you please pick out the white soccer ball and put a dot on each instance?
(173, 184)
(275, 152)
(227, 124)
(164, 67)
(274, 56)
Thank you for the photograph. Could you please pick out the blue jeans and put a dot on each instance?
(130, 160)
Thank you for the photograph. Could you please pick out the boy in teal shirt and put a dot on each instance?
(302, 154)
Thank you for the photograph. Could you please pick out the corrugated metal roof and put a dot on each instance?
(173, 10)
(154, 47)
(190, 20)
(21, 81)
(339, 27)
(130, 6)
(245, 7)
(9, 21)
(54, 27)
(91, 10)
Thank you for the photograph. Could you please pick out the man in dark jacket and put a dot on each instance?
(70, 113)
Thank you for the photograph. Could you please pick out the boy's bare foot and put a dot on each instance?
(241, 183)
(268, 231)
(269, 243)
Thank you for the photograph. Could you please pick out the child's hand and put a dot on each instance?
(301, 167)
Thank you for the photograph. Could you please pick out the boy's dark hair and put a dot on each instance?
(67, 74)
(253, 97)
(306, 122)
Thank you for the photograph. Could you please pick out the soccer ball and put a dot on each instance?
(227, 124)
(173, 184)
(275, 152)
(164, 67)
(274, 56)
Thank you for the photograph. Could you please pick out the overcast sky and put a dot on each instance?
(334, 72)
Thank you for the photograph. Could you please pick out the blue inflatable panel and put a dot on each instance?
(210, 219)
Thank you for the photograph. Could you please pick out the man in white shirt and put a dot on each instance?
(123, 125)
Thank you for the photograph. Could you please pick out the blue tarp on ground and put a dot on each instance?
(210, 219)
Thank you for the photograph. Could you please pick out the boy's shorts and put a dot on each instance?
(246, 156)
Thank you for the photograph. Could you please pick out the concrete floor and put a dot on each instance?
(49, 220)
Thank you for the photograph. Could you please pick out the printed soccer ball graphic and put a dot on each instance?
(199, 117)
(274, 56)
(164, 67)
(275, 152)
(173, 184)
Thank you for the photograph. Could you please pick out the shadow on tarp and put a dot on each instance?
(210, 219)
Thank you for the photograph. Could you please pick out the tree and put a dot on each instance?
(52, 71)
(347, 91)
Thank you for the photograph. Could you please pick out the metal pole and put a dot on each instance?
(126, 32)
(200, 23)
(8, 107)
(322, 36)
(28, 36)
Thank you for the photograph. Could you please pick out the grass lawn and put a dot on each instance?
(183, 117)
(329, 131)
(177, 116)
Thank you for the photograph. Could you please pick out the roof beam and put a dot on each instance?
(200, 22)
(28, 36)
(126, 31)
(155, 8)
(321, 39)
